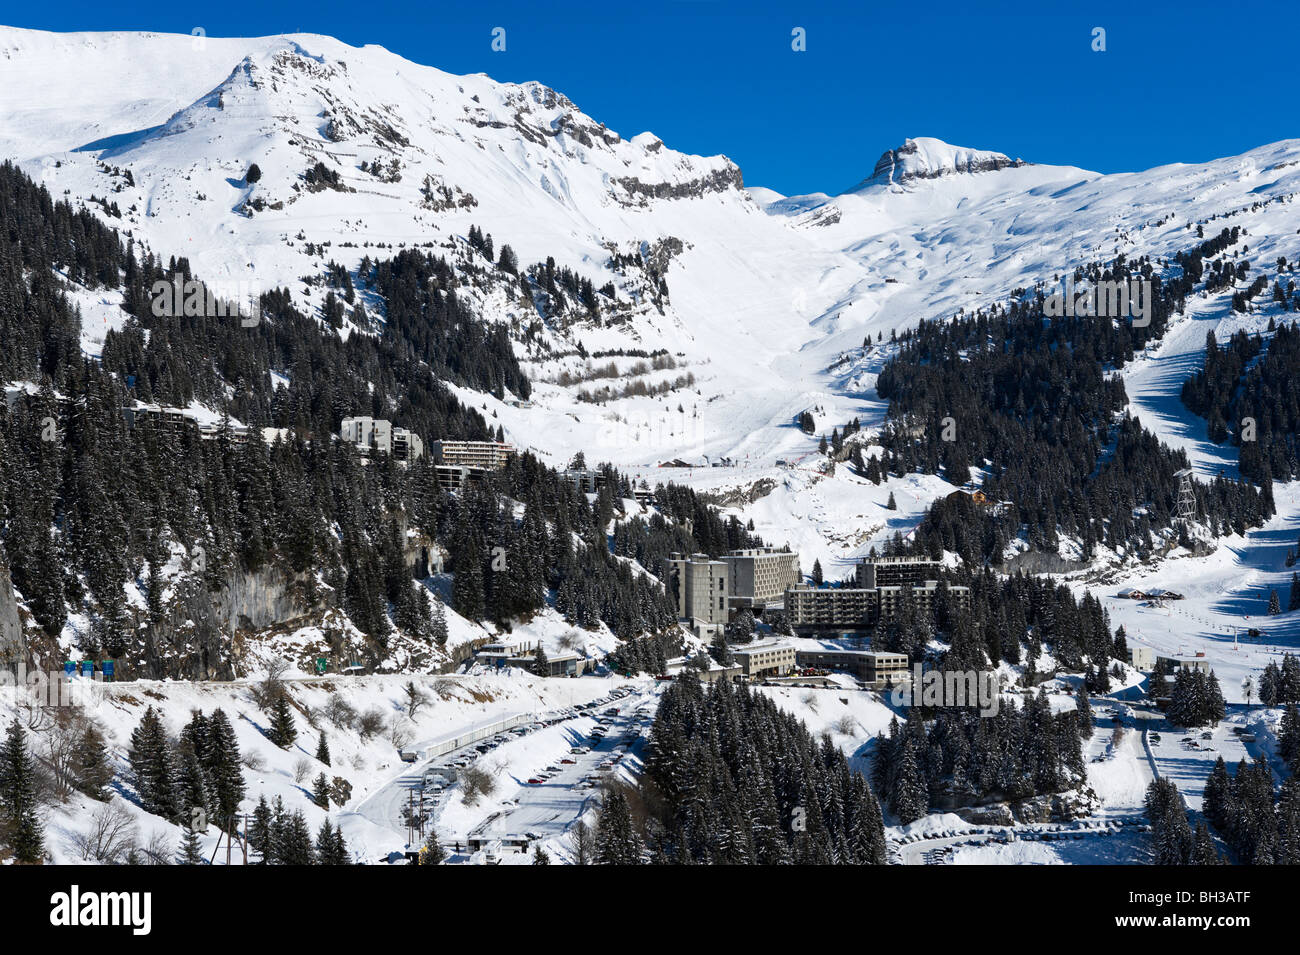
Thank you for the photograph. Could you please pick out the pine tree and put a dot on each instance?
(617, 842)
(1274, 604)
(1218, 792)
(1293, 602)
(259, 829)
(909, 800)
(191, 848)
(225, 772)
(24, 832)
(1157, 685)
(282, 731)
(330, 847)
(433, 852)
(323, 750)
(1203, 852)
(295, 846)
(192, 786)
(1216, 708)
(1084, 708)
(91, 770)
(540, 857)
(438, 623)
(320, 793)
(152, 766)
(541, 665)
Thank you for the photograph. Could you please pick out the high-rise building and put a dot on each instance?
(811, 610)
(378, 434)
(489, 455)
(896, 571)
(700, 587)
(761, 574)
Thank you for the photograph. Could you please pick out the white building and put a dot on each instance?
(378, 434)
(760, 575)
(700, 587)
(488, 455)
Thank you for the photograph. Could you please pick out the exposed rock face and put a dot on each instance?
(196, 639)
(931, 159)
(636, 192)
(12, 645)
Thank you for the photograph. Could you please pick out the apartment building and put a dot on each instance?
(1142, 658)
(586, 480)
(896, 571)
(1174, 663)
(760, 575)
(890, 599)
(700, 587)
(763, 659)
(488, 455)
(855, 608)
(177, 420)
(378, 434)
(875, 667)
(810, 609)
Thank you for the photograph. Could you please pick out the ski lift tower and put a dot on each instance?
(1186, 499)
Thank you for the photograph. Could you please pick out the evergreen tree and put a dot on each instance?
(295, 845)
(908, 798)
(438, 623)
(541, 665)
(1157, 685)
(91, 770)
(282, 731)
(260, 830)
(323, 750)
(191, 848)
(617, 842)
(320, 793)
(152, 766)
(22, 829)
(433, 852)
(330, 847)
(221, 759)
(1203, 851)
(1084, 708)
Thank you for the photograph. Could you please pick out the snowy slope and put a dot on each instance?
(770, 297)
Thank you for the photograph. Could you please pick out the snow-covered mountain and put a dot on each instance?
(928, 158)
(765, 292)
(769, 298)
(757, 307)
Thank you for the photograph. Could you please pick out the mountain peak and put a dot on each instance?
(929, 158)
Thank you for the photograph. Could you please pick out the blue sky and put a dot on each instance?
(1179, 82)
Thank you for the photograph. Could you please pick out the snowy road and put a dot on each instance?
(548, 809)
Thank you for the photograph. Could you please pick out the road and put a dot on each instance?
(384, 806)
(550, 808)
